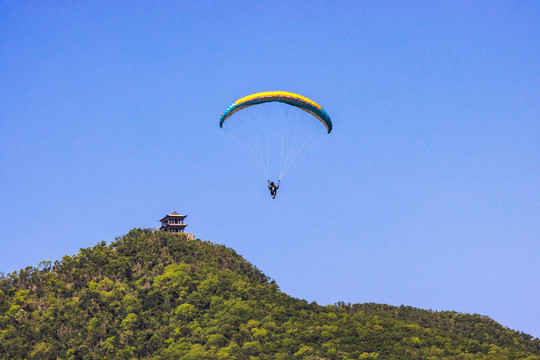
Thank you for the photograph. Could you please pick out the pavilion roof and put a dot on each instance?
(174, 214)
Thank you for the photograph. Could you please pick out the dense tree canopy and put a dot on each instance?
(157, 295)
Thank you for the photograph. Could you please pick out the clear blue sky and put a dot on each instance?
(427, 192)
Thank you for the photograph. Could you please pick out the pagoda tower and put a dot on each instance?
(173, 222)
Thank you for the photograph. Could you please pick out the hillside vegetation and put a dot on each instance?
(154, 295)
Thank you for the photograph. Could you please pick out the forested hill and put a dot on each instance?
(156, 295)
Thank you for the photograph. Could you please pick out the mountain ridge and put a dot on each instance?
(155, 295)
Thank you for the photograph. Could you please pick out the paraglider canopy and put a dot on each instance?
(299, 101)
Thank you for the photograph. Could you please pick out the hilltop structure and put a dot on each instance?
(173, 222)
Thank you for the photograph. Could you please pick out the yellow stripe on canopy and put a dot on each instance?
(278, 93)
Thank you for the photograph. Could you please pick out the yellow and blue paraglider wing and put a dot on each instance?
(296, 100)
